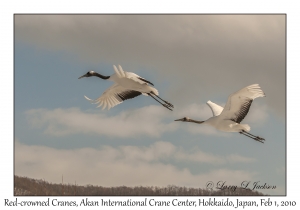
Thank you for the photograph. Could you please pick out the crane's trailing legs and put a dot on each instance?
(257, 138)
(166, 104)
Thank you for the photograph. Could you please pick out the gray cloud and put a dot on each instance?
(201, 56)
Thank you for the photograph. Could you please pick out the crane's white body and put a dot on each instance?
(226, 125)
(222, 124)
(127, 85)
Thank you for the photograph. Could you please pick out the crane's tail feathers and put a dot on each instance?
(256, 91)
(154, 90)
(246, 127)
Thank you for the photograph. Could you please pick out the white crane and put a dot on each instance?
(127, 85)
(228, 118)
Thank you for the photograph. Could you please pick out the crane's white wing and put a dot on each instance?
(238, 103)
(121, 73)
(215, 108)
(113, 96)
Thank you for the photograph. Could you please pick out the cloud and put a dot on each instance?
(201, 56)
(155, 121)
(124, 165)
(61, 122)
(160, 151)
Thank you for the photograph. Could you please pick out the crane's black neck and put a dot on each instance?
(101, 76)
(195, 121)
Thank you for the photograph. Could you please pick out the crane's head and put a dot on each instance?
(185, 119)
(92, 73)
(88, 74)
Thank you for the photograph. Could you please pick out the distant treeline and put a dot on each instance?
(24, 186)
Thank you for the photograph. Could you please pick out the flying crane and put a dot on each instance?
(127, 85)
(237, 107)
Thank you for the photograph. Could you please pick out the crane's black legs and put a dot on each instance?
(256, 138)
(165, 105)
(169, 104)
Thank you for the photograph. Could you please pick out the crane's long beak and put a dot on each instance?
(182, 119)
(82, 76)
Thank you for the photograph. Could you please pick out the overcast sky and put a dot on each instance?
(189, 58)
